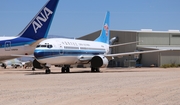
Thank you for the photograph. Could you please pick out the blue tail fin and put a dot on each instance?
(39, 26)
(104, 36)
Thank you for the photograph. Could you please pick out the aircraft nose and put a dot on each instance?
(38, 54)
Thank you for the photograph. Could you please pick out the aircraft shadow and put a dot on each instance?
(73, 72)
(86, 71)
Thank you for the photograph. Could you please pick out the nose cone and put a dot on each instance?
(38, 54)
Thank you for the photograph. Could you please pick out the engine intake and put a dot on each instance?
(99, 61)
(37, 65)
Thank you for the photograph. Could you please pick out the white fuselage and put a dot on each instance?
(11, 46)
(61, 51)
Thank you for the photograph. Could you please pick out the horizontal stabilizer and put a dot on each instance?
(123, 44)
(16, 55)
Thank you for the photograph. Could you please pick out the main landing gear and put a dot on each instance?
(65, 69)
(48, 71)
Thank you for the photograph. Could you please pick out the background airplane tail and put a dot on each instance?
(104, 36)
(39, 26)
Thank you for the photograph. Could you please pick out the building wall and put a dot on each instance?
(160, 40)
(170, 57)
(174, 39)
(91, 36)
(154, 38)
(150, 59)
(124, 37)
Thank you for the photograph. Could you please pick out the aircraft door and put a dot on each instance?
(49, 52)
(61, 51)
(7, 46)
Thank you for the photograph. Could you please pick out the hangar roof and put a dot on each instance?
(150, 31)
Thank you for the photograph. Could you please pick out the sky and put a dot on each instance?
(76, 18)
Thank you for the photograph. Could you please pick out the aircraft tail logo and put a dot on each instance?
(104, 36)
(37, 23)
(39, 26)
(106, 28)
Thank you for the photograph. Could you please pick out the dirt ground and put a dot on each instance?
(112, 86)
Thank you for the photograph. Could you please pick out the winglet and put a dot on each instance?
(104, 36)
(39, 26)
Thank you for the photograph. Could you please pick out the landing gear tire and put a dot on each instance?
(94, 69)
(33, 69)
(65, 69)
(3, 65)
(97, 70)
(48, 71)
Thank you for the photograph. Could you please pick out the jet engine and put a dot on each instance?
(37, 65)
(99, 61)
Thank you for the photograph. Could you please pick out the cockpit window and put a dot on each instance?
(47, 46)
(37, 46)
(43, 46)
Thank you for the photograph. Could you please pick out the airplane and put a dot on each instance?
(13, 63)
(26, 41)
(17, 62)
(65, 52)
(26, 61)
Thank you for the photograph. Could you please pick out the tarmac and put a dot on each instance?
(112, 86)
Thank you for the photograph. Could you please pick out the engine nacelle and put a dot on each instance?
(99, 61)
(37, 65)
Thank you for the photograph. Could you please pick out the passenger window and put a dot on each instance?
(43, 45)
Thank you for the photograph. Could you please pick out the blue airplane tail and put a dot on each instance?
(104, 36)
(39, 26)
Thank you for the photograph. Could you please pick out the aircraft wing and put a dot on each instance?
(133, 53)
(86, 59)
(16, 55)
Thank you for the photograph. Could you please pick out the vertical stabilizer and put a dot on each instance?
(104, 36)
(39, 26)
